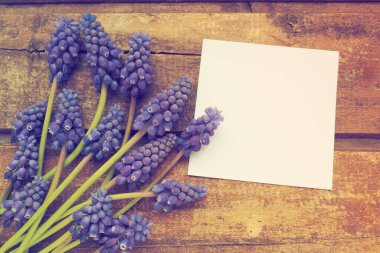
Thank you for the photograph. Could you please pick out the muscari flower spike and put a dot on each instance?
(29, 122)
(106, 138)
(24, 203)
(173, 194)
(25, 163)
(126, 232)
(136, 167)
(63, 49)
(164, 109)
(102, 56)
(67, 127)
(93, 220)
(136, 73)
(199, 131)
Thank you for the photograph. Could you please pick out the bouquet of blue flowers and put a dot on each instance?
(113, 140)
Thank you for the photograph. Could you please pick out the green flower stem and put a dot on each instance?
(95, 122)
(71, 246)
(154, 182)
(108, 177)
(7, 190)
(2, 210)
(131, 195)
(53, 187)
(90, 181)
(56, 243)
(53, 230)
(62, 245)
(131, 115)
(17, 242)
(45, 205)
(78, 207)
(45, 127)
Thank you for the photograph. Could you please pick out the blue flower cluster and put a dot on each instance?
(93, 220)
(23, 204)
(29, 122)
(173, 194)
(106, 138)
(164, 109)
(199, 131)
(136, 167)
(25, 163)
(125, 233)
(67, 127)
(102, 56)
(136, 74)
(63, 49)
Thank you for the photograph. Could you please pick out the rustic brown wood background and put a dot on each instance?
(236, 216)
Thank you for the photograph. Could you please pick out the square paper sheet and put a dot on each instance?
(279, 109)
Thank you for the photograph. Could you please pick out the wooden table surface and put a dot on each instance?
(236, 216)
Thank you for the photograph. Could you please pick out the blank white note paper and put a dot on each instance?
(278, 105)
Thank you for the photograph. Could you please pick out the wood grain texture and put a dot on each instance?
(206, 7)
(178, 33)
(334, 246)
(236, 216)
(251, 214)
(177, 45)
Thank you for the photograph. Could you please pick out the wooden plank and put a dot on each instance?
(200, 7)
(333, 246)
(354, 35)
(261, 214)
(178, 33)
(207, 7)
(25, 73)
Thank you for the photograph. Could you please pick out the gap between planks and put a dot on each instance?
(354, 144)
(31, 51)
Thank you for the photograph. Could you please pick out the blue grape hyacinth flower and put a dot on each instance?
(103, 56)
(136, 167)
(92, 221)
(25, 163)
(126, 232)
(199, 131)
(24, 203)
(63, 49)
(164, 109)
(29, 122)
(136, 74)
(172, 194)
(106, 138)
(67, 126)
